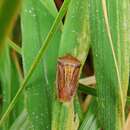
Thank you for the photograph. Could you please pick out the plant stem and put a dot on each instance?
(15, 47)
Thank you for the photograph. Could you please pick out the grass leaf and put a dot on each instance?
(36, 60)
(50, 6)
(14, 46)
(109, 43)
(16, 78)
(5, 78)
(37, 20)
(8, 13)
(20, 120)
(90, 121)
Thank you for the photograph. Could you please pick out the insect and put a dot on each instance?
(67, 77)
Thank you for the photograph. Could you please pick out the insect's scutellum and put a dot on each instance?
(67, 77)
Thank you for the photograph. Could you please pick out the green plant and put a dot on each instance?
(28, 68)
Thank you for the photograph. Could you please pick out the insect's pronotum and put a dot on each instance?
(67, 77)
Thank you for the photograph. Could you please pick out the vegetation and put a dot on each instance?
(34, 34)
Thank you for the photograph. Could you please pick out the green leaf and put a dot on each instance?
(20, 121)
(110, 50)
(50, 6)
(26, 125)
(14, 46)
(36, 23)
(15, 83)
(8, 13)
(76, 34)
(78, 108)
(36, 60)
(5, 78)
(63, 116)
(87, 90)
(90, 120)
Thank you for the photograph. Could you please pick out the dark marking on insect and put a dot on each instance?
(67, 77)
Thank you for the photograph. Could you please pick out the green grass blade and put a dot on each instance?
(124, 28)
(78, 108)
(109, 43)
(36, 60)
(15, 83)
(5, 78)
(76, 35)
(20, 120)
(39, 90)
(27, 125)
(87, 90)
(8, 13)
(63, 116)
(90, 120)
(50, 6)
(14, 46)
